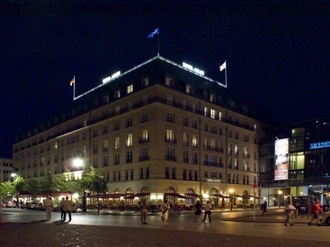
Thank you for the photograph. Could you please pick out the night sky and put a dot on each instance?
(278, 55)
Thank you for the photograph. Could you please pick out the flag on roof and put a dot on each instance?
(72, 81)
(223, 66)
(154, 33)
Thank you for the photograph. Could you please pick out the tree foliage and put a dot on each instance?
(47, 186)
(93, 181)
(33, 187)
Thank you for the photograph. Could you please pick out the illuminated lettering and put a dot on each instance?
(190, 67)
(318, 145)
(109, 78)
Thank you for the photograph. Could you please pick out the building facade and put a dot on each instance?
(6, 169)
(308, 158)
(160, 130)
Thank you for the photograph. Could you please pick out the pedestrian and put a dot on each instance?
(289, 209)
(143, 210)
(198, 210)
(207, 211)
(264, 209)
(165, 211)
(66, 206)
(316, 210)
(48, 204)
(61, 208)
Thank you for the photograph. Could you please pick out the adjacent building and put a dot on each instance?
(6, 169)
(295, 163)
(159, 130)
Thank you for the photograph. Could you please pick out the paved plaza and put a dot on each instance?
(29, 228)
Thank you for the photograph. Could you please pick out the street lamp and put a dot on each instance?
(78, 162)
(14, 176)
(280, 192)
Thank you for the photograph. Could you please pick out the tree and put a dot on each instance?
(7, 188)
(47, 186)
(67, 183)
(94, 182)
(33, 187)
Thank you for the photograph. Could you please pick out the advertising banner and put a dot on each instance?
(281, 159)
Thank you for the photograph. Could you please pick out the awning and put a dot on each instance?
(142, 194)
(220, 195)
(176, 195)
(116, 195)
(191, 195)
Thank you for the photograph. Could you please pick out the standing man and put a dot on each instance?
(48, 204)
(66, 206)
(165, 211)
(207, 211)
(289, 209)
(143, 210)
(61, 208)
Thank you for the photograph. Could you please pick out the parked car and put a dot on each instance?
(326, 218)
(74, 208)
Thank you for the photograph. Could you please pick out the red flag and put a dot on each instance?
(72, 81)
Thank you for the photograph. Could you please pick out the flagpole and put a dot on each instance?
(74, 87)
(158, 43)
(226, 74)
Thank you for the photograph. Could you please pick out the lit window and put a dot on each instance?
(130, 89)
(117, 142)
(129, 141)
(212, 113)
(117, 94)
(189, 89)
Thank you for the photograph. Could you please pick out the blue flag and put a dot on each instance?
(154, 33)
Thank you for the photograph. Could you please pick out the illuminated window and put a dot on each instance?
(220, 116)
(194, 141)
(117, 94)
(145, 134)
(213, 98)
(129, 140)
(205, 111)
(169, 135)
(185, 139)
(117, 142)
(189, 89)
(212, 113)
(130, 89)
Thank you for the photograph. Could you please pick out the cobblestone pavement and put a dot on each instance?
(175, 233)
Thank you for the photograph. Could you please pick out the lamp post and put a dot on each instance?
(78, 162)
(14, 176)
(279, 198)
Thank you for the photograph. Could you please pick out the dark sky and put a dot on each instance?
(277, 52)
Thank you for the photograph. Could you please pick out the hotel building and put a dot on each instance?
(159, 129)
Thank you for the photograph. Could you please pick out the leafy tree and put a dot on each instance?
(94, 182)
(7, 188)
(33, 187)
(67, 183)
(47, 186)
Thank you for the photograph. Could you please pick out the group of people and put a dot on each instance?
(315, 210)
(165, 209)
(65, 207)
(207, 211)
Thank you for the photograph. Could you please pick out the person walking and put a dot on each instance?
(289, 209)
(48, 204)
(66, 206)
(316, 210)
(264, 209)
(143, 210)
(165, 211)
(198, 210)
(207, 211)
